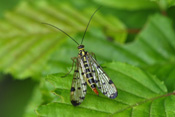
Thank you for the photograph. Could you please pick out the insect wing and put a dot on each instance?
(78, 88)
(103, 82)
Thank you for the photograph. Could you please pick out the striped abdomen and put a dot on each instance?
(87, 71)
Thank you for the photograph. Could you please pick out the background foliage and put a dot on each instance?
(136, 44)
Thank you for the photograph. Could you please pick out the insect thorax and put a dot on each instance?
(82, 52)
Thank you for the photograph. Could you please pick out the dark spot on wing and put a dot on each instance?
(114, 95)
(110, 82)
(79, 88)
(84, 90)
(82, 73)
(84, 83)
(105, 93)
(103, 83)
(76, 71)
(98, 66)
(99, 87)
(75, 103)
(72, 89)
(82, 98)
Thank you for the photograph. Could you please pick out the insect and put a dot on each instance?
(88, 72)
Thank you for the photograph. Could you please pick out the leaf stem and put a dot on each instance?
(151, 99)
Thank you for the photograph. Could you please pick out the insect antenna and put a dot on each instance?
(61, 31)
(89, 23)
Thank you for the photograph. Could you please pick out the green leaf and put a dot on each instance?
(42, 94)
(129, 4)
(33, 103)
(156, 48)
(154, 45)
(139, 94)
(170, 14)
(138, 4)
(7, 5)
(26, 44)
(165, 72)
(171, 2)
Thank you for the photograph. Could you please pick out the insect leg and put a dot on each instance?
(73, 59)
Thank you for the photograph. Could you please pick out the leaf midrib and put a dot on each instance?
(147, 100)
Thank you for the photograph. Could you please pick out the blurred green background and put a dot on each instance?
(138, 32)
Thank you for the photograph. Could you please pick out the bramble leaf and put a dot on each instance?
(26, 44)
(138, 93)
(154, 45)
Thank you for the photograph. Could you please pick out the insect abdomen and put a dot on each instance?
(86, 69)
(89, 76)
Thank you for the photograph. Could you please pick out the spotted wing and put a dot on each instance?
(78, 88)
(103, 82)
